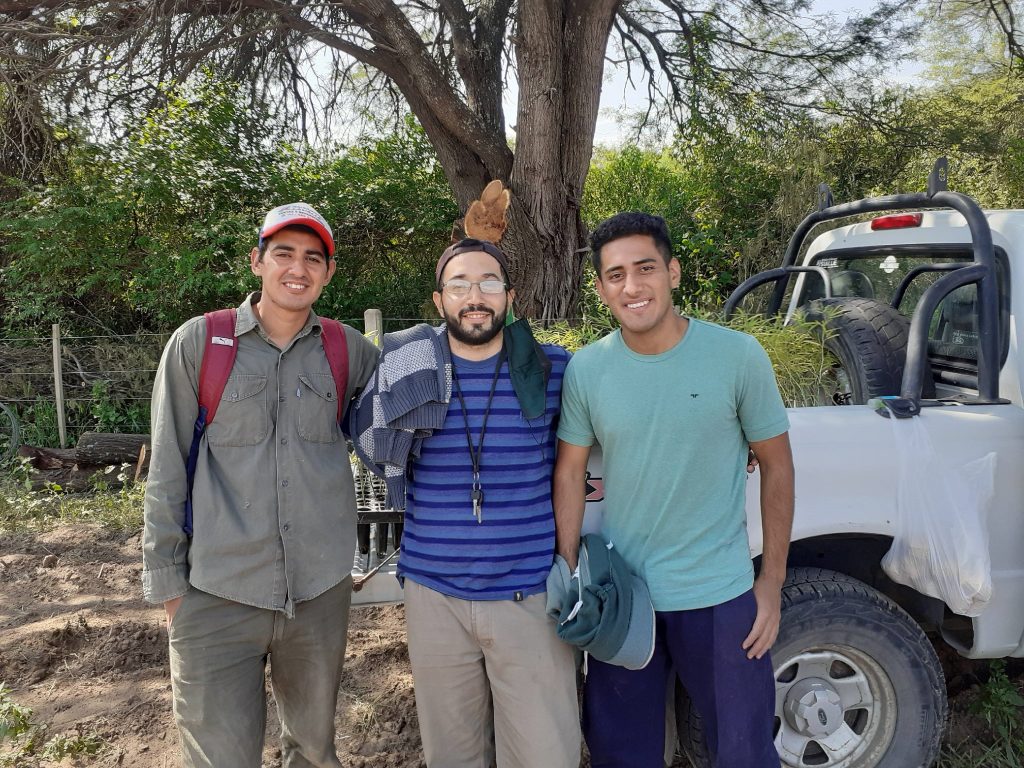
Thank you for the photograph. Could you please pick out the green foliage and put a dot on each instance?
(989, 731)
(15, 720)
(637, 180)
(999, 702)
(144, 233)
(138, 230)
(392, 213)
(25, 737)
(10, 435)
(38, 421)
(803, 368)
(573, 336)
(802, 365)
(117, 415)
(734, 191)
(117, 506)
(72, 745)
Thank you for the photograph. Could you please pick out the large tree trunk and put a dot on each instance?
(560, 56)
(560, 61)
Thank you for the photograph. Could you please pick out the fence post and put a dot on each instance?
(58, 386)
(373, 322)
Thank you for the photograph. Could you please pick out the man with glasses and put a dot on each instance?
(263, 569)
(493, 682)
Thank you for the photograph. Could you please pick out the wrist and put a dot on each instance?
(772, 578)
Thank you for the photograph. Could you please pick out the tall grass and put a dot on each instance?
(803, 367)
(117, 508)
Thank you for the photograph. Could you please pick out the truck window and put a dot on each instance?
(899, 277)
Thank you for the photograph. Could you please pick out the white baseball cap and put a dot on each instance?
(304, 214)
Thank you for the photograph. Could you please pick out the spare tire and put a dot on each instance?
(869, 339)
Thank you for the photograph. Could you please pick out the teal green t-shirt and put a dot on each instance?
(673, 430)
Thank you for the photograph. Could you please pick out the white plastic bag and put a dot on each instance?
(940, 547)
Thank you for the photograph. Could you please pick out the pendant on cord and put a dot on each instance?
(477, 497)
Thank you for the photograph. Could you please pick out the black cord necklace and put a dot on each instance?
(476, 494)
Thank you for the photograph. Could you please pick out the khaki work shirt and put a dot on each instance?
(274, 510)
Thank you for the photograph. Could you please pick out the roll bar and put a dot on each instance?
(982, 271)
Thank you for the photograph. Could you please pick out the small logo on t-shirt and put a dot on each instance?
(693, 394)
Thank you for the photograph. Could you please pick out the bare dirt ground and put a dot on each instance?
(81, 648)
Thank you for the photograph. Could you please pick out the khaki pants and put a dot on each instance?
(219, 649)
(493, 682)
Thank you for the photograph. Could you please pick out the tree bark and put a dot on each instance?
(104, 448)
(559, 48)
(560, 55)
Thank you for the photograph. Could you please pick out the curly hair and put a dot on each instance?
(625, 224)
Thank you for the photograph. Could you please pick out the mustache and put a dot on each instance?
(476, 308)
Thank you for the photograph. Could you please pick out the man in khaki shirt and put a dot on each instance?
(266, 573)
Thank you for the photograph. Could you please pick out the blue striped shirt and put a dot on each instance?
(443, 546)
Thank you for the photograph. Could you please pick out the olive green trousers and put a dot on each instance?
(219, 650)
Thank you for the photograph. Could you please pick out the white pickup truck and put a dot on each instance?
(921, 311)
(923, 303)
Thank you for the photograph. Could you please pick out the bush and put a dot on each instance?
(144, 233)
(803, 366)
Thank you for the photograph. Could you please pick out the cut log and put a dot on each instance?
(74, 480)
(109, 448)
(48, 458)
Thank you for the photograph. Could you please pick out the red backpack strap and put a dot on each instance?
(218, 359)
(332, 336)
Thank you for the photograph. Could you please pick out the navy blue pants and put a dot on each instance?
(624, 710)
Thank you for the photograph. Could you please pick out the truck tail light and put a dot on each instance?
(897, 221)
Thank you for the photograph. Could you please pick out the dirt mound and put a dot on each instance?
(81, 648)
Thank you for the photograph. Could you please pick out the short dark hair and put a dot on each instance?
(265, 241)
(625, 224)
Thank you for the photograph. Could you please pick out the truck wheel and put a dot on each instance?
(858, 684)
(869, 339)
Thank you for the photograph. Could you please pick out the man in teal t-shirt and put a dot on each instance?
(674, 404)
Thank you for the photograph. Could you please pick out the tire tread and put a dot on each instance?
(875, 336)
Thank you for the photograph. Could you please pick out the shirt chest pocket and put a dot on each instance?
(318, 408)
(242, 417)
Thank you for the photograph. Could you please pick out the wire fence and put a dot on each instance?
(59, 386)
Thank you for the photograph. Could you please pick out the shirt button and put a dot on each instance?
(234, 395)
(286, 526)
(284, 483)
(284, 441)
(280, 399)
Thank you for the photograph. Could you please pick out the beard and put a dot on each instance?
(474, 335)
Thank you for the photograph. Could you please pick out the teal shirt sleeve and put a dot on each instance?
(574, 424)
(761, 412)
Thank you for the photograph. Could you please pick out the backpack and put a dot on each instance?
(219, 359)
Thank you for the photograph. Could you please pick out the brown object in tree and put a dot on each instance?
(486, 219)
(458, 233)
(103, 448)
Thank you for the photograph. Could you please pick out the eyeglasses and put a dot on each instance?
(461, 288)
